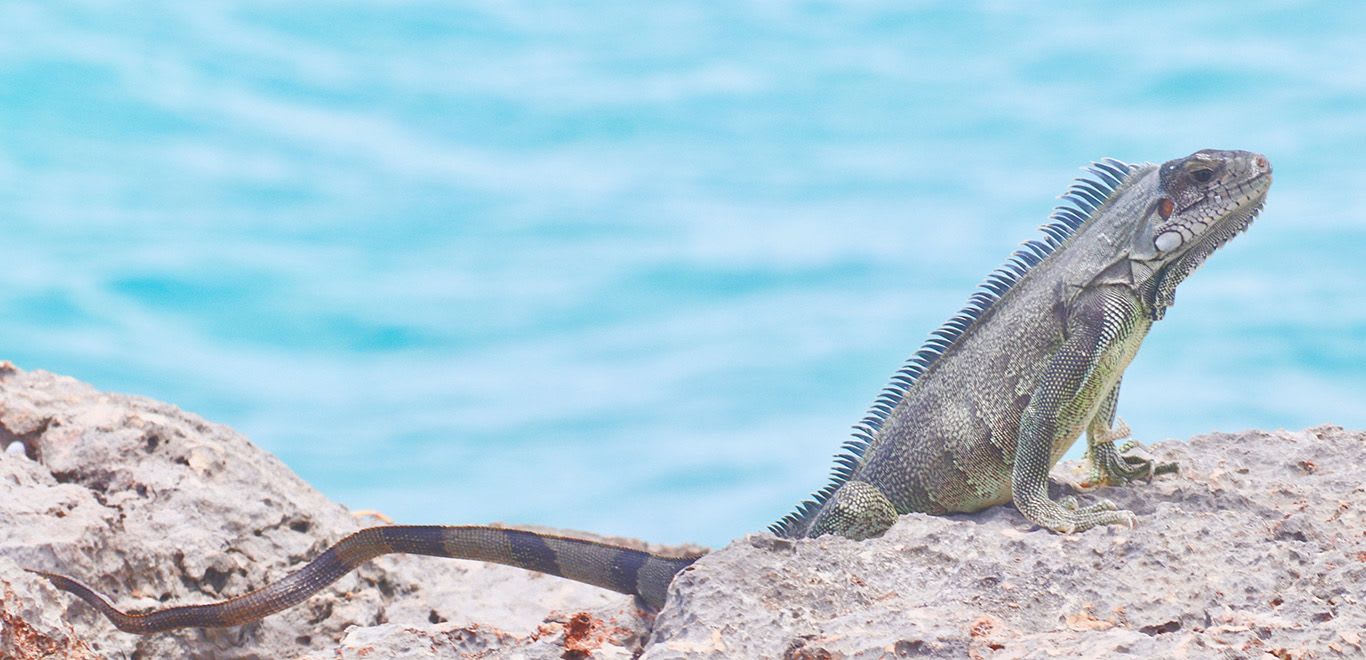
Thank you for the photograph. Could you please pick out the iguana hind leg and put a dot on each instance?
(857, 510)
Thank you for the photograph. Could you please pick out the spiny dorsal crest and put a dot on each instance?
(1080, 202)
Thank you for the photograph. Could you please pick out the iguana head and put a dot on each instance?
(1202, 201)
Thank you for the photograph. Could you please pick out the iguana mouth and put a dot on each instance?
(1246, 210)
(1260, 183)
(1235, 223)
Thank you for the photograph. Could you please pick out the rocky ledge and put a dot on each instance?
(1257, 547)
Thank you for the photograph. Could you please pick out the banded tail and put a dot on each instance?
(625, 570)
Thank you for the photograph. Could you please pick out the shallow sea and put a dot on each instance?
(636, 267)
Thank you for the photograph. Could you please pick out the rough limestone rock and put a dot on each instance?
(1257, 547)
(155, 506)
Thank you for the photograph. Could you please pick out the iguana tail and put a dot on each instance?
(622, 569)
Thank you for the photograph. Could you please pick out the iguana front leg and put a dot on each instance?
(1110, 466)
(1104, 332)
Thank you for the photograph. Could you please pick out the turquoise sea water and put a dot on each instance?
(636, 267)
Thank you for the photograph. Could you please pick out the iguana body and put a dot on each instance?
(980, 415)
(976, 418)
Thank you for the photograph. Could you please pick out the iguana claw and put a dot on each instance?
(1119, 431)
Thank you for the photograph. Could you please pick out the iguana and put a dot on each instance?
(974, 419)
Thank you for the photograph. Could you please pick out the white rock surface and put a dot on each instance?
(1257, 548)
(155, 506)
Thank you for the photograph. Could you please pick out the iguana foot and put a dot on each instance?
(1059, 518)
(1115, 468)
(1120, 431)
(1110, 466)
(1071, 503)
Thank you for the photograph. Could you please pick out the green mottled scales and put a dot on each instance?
(980, 415)
(974, 419)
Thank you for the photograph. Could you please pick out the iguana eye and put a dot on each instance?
(1202, 175)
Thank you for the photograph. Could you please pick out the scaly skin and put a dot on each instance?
(999, 406)
(976, 418)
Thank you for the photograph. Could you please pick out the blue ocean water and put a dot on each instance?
(637, 267)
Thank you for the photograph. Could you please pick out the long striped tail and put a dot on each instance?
(621, 569)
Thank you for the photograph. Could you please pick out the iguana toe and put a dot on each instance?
(1058, 517)
(1112, 467)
